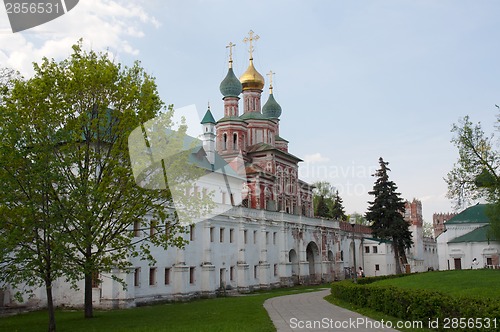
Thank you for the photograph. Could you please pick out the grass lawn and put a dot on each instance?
(242, 313)
(484, 284)
(470, 283)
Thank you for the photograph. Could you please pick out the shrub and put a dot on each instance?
(414, 304)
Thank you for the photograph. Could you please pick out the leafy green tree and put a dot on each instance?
(322, 209)
(32, 235)
(476, 174)
(77, 116)
(358, 218)
(386, 212)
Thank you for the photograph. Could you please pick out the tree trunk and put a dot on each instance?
(395, 248)
(89, 312)
(50, 306)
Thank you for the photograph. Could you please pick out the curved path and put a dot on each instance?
(310, 312)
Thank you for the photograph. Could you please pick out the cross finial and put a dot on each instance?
(230, 46)
(270, 74)
(251, 37)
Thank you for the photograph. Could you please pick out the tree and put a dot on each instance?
(476, 174)
(87, 105)
(337, 210)
(322, 209)
(358, 218)
(428, 229)
(386, 212)
(32, 237)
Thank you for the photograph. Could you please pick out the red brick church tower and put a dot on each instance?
(253, 136)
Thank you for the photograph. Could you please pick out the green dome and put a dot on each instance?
(230, 85)
(271, 109)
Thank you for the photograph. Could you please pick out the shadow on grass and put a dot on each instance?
(238, 313)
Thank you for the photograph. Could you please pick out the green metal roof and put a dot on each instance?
(230, 118)
(481, 234)
(230, 85)
(271, 108)
(279, 138)
(208, 118)
(472, 215)
(253, 115)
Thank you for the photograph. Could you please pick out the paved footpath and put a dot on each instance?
(310, 312)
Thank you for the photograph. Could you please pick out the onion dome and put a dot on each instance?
(230, 85)
(251, 78)
(271, 109)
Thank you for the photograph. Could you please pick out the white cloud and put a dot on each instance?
(103, 24)
(315, 158)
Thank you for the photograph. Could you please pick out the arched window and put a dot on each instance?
(224, 143)
(235, 141)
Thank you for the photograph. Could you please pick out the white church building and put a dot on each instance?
(265, 237)
(467, 243)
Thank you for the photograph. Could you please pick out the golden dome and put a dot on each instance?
(251, 78)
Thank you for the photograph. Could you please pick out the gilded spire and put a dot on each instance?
(270, 74)
(251, 78)
(230, 46)
(251, 38)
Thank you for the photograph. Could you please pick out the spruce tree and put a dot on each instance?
(387, 214)
(338, 211)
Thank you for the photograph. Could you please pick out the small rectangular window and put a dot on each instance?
(95, 280)
(377, 267)
(191, 275)
(367, 249)
(152, 276)
(137, 276)
(231, 273)
(375, 249)
(137, 228)
(221, 235)
(212, 234)
(191, 232)
(152, 227)
(231, 235)
(254, 237)
(167, 276)
(274, 238)
(267, 237)
(245, 237)
(275, 270)
(255, 271)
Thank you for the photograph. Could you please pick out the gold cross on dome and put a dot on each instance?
(230, 46)
(270, 74)
(251, 37)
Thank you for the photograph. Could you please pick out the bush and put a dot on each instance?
(414, 304)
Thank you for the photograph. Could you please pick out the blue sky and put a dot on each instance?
(357, 80)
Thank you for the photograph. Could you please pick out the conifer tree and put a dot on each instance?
(387, 214)
(338, 211)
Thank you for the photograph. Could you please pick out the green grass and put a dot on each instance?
(483, 284)
(470, 283)
(369, 313)
(242, 313)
